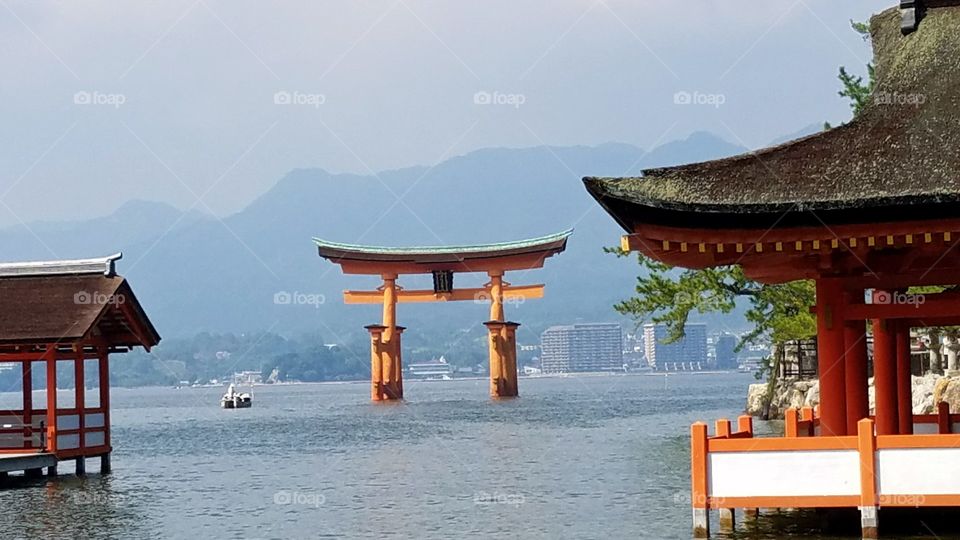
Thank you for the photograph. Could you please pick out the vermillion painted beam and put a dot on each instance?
(510, 293)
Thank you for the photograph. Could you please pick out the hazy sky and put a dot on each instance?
(205, 103)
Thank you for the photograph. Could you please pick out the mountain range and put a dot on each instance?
(194, 272)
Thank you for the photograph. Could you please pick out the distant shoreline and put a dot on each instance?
(579, 374)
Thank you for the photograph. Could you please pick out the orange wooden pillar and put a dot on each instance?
(502, 343)
(698, 485)
(496, 296)
(885, 377)
(27, 376)
(867, 445)
(376, 361)
(390, 340)
(51, 360)
(830, 357)
(398, 361)
(856, 374)
(103, 367)
(904, 379)
(80, 401)
(496, 346)
(509, 333)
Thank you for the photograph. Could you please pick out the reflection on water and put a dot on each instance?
(577, 457)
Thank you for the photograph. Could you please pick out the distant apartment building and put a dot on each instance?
(726, 351)
(581, 347)
(688, 353)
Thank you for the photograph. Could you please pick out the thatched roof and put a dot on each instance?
(899, 160)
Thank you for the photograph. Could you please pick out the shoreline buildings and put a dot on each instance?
(581, 348)
(689, 353)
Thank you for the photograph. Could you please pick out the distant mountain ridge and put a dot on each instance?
(194, 272)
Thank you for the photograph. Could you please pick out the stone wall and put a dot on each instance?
(927, 391)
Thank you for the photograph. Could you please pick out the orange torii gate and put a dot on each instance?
(442, 262)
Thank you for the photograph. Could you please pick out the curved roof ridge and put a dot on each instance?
(470, 248)
(101, 265)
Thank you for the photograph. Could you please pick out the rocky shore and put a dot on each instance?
(928, 390)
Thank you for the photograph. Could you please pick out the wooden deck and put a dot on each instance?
(27, 461)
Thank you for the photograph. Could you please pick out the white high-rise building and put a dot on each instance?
(688, 353)
(581, 347)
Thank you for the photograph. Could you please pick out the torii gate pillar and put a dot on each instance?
(502, 343)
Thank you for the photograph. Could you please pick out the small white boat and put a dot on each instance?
(236, 400)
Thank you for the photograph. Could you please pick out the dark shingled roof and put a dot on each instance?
(38, 307)
(899, 160)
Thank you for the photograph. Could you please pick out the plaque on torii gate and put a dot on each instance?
(443, 262)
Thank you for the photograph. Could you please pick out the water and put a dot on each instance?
(577, 457)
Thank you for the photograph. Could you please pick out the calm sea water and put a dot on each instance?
(577, 457)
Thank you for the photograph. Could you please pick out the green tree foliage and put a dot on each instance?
(854, 88)
(669, 296)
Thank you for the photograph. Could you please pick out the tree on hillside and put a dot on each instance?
(854, 89)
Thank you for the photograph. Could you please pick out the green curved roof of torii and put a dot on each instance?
(553, 243)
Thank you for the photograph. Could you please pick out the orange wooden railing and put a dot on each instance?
(36, 435)
(800, 426)
(744, 428)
